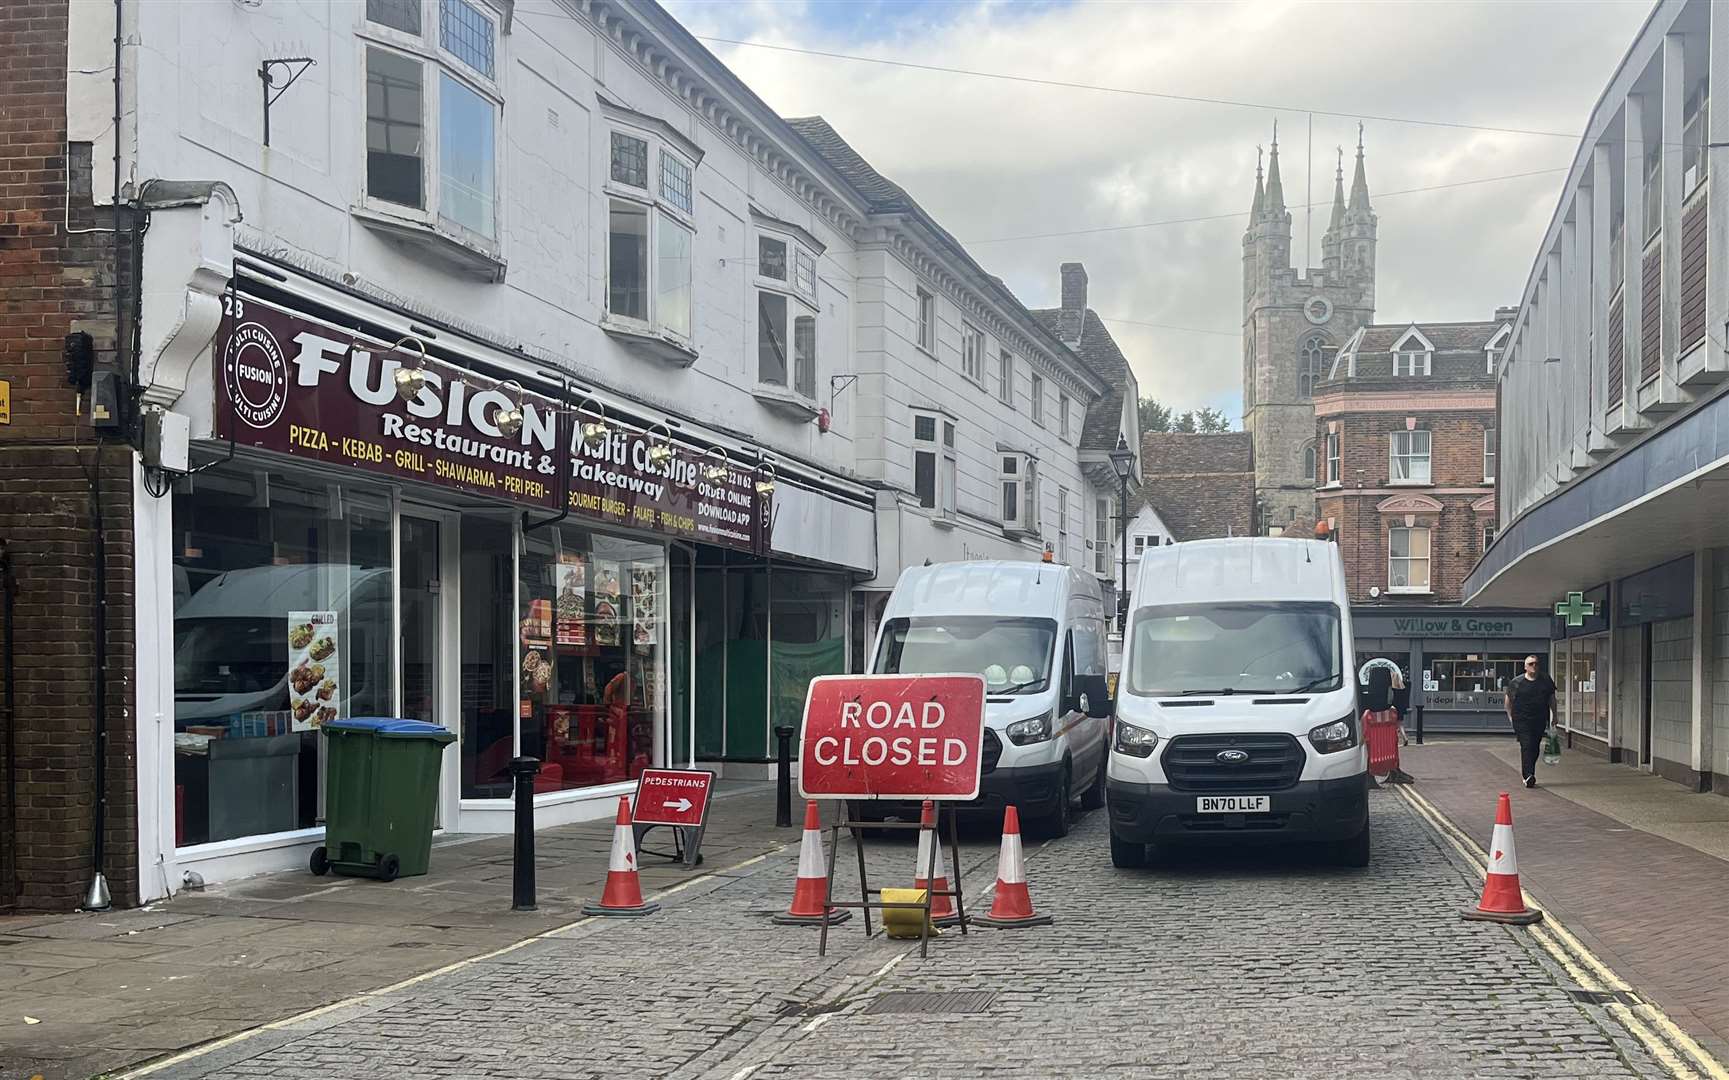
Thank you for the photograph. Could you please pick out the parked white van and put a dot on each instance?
(1236, 716)
(1036, 632)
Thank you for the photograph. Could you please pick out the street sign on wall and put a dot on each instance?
(892, 737)
(672, 797)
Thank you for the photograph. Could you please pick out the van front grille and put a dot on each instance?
(993, 751)
(1192, 763)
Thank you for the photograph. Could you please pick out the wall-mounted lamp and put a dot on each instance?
(410, 378)
(765, 480)
(509, 420)
(659, 445)
(716, 469)
(594, 430)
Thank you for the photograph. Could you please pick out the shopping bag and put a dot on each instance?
(1552, 747)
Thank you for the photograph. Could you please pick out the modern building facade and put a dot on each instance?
(1295, 320)
(1613, 481)
(512, 368)
(1404, 469)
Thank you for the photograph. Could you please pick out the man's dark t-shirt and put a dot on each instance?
(1532, 700)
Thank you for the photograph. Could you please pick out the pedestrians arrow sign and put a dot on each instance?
(672, 797)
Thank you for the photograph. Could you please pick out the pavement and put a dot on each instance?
(1232, 964)
(81, 995)
(1634, 865)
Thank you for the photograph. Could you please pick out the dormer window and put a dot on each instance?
(1412, 354)
(1497, 345)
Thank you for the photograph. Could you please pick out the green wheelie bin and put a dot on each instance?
(380, 796)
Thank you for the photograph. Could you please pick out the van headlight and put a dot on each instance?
(1135, 741)
(1336, 736)
(1032, 730)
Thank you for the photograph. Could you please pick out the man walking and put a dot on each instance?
(1530, 709)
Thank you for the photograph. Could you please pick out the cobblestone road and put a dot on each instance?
(1217, 967)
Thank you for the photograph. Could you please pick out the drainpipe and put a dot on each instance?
(9, 598)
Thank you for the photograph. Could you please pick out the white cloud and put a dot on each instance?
(991, 158)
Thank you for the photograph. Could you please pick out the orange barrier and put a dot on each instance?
(1381, 733)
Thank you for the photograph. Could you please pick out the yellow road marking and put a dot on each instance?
(1562, 943)
(458, 965)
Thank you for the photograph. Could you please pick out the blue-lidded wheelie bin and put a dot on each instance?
(380, 796)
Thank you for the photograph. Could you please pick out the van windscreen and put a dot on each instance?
(1245, 648)
(1014, 655)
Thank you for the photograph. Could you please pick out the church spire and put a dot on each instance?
(1275, 189)
(1338, 220)
(1360, 182)
(1260, 193)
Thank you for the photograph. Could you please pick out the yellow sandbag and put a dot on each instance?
(906, 922)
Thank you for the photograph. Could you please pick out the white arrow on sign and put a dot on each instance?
(681, 805)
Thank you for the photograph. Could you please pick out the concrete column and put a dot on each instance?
(1717, 184)
(1559, 459)
(1674, 98)
(1632, 249)
(1575, 364)
(1597, 209)
(1704, 627)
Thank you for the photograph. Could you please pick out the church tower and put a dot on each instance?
(1294, 322)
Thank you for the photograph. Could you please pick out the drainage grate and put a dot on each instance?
(917, 1001)
(1604, 997)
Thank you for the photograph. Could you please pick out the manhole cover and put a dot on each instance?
(1604, 997)
(918, 1001)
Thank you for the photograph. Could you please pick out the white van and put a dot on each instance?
(1236, 715)
(1036, 632)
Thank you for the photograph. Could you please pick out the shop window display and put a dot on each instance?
(282, 622)
(591, 621)
(1471, 680)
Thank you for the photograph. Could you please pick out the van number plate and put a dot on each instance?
(1233, 804)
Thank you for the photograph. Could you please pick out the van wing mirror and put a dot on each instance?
(1092, 696)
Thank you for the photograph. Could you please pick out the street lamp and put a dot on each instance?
(1122, 460)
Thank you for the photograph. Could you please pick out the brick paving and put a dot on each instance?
(1242, 965)
(1656, 911)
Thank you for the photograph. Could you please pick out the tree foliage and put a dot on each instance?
(1159, 417)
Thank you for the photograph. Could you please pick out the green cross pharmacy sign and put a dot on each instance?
(1575, 608)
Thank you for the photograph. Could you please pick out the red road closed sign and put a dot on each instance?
(672, 797)
(892, 737)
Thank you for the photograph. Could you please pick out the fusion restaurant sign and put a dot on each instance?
(291, 384)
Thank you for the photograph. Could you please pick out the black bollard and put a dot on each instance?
(783, 781)
(523, 769)
(1419, 725)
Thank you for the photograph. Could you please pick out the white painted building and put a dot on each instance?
(1613, 392)
(482, 237)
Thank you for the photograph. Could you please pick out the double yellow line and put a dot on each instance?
(1673, 1048)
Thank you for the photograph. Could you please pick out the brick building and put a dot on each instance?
(1403, 463)
(65, 488)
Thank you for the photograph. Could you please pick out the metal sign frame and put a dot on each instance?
(865, 904)
(686, 839)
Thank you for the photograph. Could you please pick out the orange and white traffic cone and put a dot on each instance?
(623, 893)
(943, 911)
(810, 892)
(1011, 904)
(1503, 900)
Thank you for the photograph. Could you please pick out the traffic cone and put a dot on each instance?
(1503, 901)
(1011, 904)
(623, 894)
(811, 889)
(943, 911)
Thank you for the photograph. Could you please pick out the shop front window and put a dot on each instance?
(282, 623)
(1470, 681)
(591, 627)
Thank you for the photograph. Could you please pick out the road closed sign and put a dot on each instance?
(892, 737)
(672, 797)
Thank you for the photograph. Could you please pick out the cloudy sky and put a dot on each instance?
(994, 159)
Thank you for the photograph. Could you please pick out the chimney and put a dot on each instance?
(1074, 287)
(1506, 314)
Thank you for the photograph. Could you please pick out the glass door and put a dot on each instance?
(428, 594)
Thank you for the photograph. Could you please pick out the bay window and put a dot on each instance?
(650, 235)
(934, 463)
(786, 314)
(1408, 457)
(1020, 488)
(432, 114)
(1408, 560)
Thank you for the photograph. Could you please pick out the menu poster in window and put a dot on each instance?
(314, 669)
(572, 594)
(644, 603)
(607, 598)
